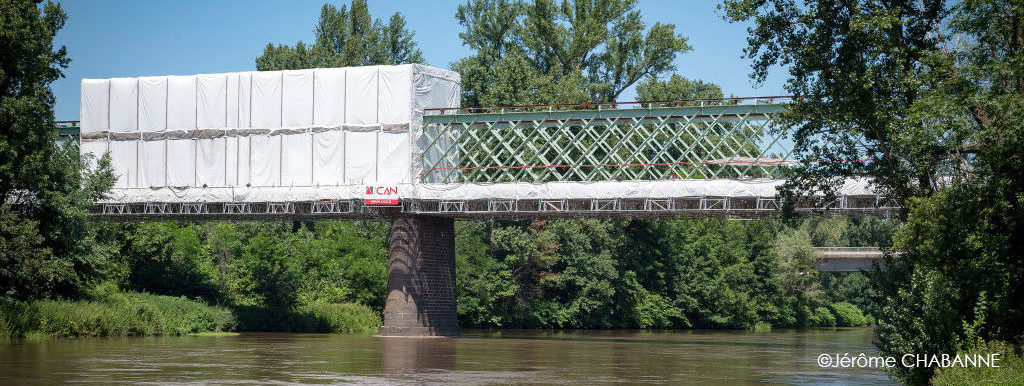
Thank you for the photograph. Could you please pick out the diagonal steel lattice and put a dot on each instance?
(696, 139)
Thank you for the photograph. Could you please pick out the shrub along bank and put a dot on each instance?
(138, 314)
(124, 314)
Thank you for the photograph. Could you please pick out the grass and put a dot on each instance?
(123, 314)
(214, 333)
(1009, 372)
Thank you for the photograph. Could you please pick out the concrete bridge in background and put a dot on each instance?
(696, 158)
(847, 259)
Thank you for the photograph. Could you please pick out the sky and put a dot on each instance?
(108, 39)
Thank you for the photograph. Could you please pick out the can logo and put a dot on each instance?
(381, 195)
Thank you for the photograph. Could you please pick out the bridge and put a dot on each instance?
(693, 158)
(391, 143)
(847, 259)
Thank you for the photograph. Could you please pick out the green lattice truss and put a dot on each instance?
(731, 138)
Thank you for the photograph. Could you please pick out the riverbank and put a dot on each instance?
(1009, 372)
(139, 314)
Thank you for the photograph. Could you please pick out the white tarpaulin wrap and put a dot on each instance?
(329, 97)
(245, 99)
(153, 104)
(393, 157)
(241, 159)
(266, 99)
(124, 105)
(231, 100)
(211, 162)
(361, 95)
(394, 97)
(297, 98)
(153, 163)
(123, 159)
(181, 162)
(255, 130)
(360, 157)
(297, 160)
(181, 102)
(213, 101)
(265, 160)
(95, 110)
(329, 158)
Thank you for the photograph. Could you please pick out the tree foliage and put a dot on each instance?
(640, 274)
(45, 189)
(346, 36)
(559, 52)
(676, 87)
(933, 93)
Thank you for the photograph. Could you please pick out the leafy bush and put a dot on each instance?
(318, 316)
(119, 315)
(339, 318)
(761, 327)
(821, 317)
(848, 315)
(654, 311)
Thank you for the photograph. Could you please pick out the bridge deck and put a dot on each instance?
(610, 199)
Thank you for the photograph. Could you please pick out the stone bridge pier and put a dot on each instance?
(421, 278)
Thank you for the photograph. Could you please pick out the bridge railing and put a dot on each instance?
(689, 139)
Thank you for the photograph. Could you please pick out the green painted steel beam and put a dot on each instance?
(604, 114)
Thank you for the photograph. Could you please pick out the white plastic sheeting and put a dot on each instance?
(329, 158)
(316, 127)
(181, 162)
(361, 95)
(297, 98)
(123, 159)
(213, 101)
(95, 109)
(395, 95)
(265, 160)
(124, 105)
(211, 162)
(245, 99)
(393, 160)
(266, 99)
(152, 163)
(152, 103)
(297, 160)
(328, 95)
(181, 102)
(510, 190)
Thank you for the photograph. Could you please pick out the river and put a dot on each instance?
(480, 357)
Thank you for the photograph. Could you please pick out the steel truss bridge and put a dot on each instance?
(694, 158)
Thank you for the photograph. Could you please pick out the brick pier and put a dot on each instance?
(421, 278)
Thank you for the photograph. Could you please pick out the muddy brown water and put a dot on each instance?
(480, 357)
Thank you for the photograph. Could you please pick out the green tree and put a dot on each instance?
(676, 87)
(346, 36)
(46, 246)
(559, 52)
(933, 93)
(856, 69)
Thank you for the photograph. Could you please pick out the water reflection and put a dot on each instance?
(414, 355)
(482, 357)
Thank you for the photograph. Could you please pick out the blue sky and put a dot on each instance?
(138, 38)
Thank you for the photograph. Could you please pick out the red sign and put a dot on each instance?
(381, 195)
